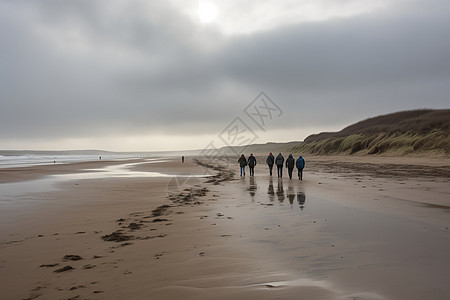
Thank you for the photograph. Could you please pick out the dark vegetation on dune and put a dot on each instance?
(406, 132)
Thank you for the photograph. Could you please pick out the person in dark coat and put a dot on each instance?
(290, 163)
(279, 161)
(300, 164)
(252, 164)
(270, 161)
(242, 163)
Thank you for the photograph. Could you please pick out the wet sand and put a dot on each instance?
(347, 231)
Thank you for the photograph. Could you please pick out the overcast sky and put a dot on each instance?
(171, 75)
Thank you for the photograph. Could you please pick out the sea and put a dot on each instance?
(13, 161)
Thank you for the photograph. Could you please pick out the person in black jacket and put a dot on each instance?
(290, 163)
(270, 161)
(242, 163)
(279, 161)
(252, 164)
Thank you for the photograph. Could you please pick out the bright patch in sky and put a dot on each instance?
(245, 17)
(207, 12)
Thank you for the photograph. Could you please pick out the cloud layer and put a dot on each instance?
(90, 69)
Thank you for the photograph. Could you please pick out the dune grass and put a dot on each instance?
(436, 141)
(406, 132)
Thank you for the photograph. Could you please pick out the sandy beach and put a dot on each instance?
(354, 228)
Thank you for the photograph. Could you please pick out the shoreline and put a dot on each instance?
(223, 238)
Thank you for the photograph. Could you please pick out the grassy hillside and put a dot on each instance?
(406, 132)
(261, 148)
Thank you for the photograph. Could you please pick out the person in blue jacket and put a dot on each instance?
(300, 164)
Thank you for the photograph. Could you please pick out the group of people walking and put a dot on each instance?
(251, 162)
(271, 160)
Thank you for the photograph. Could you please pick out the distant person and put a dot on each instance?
(279, 161)
(182, 159)
(99, 158)
(300, 164)
(270, 161)
(242, 164)
(290, 163)
(252, 164)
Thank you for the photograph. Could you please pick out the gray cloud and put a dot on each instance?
(89, 68)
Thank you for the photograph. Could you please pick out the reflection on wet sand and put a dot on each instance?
(270, 190)
(280, 190)
(253, 187)
(301, 198)
(291, 194)
(357, 248)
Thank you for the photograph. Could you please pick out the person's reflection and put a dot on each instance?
(280, 190)
(270, 190)
(291, 193)
(301, 198)
(252, 188)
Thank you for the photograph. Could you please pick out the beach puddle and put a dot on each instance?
(115, 171)
(10, 190)
(122, 171)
